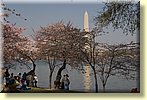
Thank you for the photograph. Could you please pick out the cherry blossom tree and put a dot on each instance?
(17, 48)
(59, 42)
(120, 60)
(12, 35)
(11, 38)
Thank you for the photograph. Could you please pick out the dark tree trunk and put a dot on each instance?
(95, 77)
(34, 67)
(104, 86)
(33, 62)
(32, 73)
(58, 77)
(50, 79)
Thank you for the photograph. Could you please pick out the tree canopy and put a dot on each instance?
(123, 15)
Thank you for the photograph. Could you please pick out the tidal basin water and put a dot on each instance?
(78, 80)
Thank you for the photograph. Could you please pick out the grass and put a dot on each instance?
(43, 90)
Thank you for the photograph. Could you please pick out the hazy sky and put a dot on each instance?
(47, 13)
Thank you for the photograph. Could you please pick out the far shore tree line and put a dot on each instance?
(67, 44)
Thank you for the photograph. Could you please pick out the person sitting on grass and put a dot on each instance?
(12, 80)
(12, 85)
(24, 84)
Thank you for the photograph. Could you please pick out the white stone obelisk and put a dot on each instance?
(87, 79)
(86, 24)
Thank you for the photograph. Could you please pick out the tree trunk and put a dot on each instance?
(32, 73)
(34, 67)
(50, 79)
(58, 77)
(95, 77)
(104, 87)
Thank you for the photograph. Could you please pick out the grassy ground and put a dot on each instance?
(44, 90)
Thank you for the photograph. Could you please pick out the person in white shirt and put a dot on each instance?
(35, 80)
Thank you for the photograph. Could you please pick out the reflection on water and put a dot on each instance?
(87, 78)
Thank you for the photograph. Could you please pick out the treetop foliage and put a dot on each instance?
(123, 15)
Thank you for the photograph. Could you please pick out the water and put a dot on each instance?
(78, 81)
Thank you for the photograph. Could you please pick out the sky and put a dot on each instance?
(42, 14)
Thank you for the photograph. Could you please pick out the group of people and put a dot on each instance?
(20, 81)
(65, 82)
(25, 81)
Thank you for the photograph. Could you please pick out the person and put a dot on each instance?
(66, 82)
(35, 79)
(18, 82)
(28, 79)
(11, 76)
(13, 85)
(12, 80)
(24, 84)
(24, 75)
(6, 75)
(62, 82)
(19, 77)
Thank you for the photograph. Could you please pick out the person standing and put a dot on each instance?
(35, 80)
(28, 79)
(6, 75)
(11, 80)
(66, 82)
(62, 82)
(24, 75)
(19, 77)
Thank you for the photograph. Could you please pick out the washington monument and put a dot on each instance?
(86, 24)
(87, 79)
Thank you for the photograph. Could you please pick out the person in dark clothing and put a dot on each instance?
(24, 84)
(6, 75)
(19, 77)
(62, 82)
(11, 76)
(24, 75)
(12, 80)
